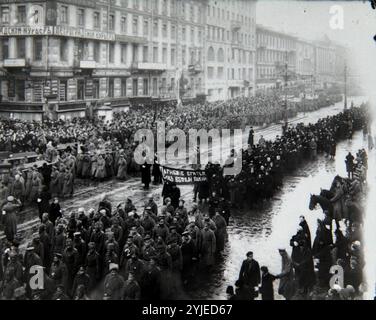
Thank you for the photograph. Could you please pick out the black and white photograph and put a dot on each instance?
(200, 150)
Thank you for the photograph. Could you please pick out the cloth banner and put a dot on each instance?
(183, 176)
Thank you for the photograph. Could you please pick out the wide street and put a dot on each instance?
(263, 230)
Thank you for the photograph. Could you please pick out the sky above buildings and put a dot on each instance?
(311, 20)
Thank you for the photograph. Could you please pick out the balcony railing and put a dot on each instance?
(21, 106)
(14, 63)
(87, 64)
(236, 25)
(148, 66)
(65, 106)
(195, 68)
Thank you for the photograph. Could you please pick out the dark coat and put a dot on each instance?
(266, 290)
(250, 273)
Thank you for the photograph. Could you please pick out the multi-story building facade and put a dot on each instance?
(64, 57)
(305, 62)
(325, 60)
(230, 48)
(275, 51)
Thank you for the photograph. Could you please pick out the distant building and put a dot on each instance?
(275, 50)
(305, 61)
(325, 60)
(230, 49)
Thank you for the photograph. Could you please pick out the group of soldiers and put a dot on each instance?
(114, 253)
(328, 268)
(266, 163)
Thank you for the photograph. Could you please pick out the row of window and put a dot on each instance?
(238, 55)
(223, 14)
(83, 52)
(274, 56)
(218, 34)
(149, 87)
(232, 73)
(187, 11)
(20, 43)
(274, 41)
(266, 72)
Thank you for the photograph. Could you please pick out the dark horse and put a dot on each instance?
(325, 205)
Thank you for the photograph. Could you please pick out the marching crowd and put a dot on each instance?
(119, 253)
(330, 267)
(265, 163)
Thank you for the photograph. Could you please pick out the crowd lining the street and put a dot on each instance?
(119, 253)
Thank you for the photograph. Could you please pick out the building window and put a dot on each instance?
(123, 53)
(63, 49)
(124, 3)
(135, 25)
(172, 86)
(97, 21)
(21, 48)
(145, 54)
(210, 72)
(64, 14)
(155, 28)
(81, 17)
(173, 8)
(146, 27)
(38, 48)
(146, 5)
(145, 87)
(155, 54)
(123, 87)
(5, 48)
(155, 7)
(21, 14)
(164, 30)
(164, 55)
(164, 85)
(111, 56)
(183, 56)
(183, 34)
(173, 32)
(111, 87)
(192, 57)
(135, 87)
(211, 55)
(111, 22)
(4, 14)
(20, 90)
(164, 8)
(192, 35)
(173, 52)
(155, 86)
(97, 51)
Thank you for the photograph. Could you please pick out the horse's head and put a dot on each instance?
(312, 202)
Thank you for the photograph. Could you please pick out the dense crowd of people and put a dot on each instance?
(119, 253)
(265, 163)
(330, 267)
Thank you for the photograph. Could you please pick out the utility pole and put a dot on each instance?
(345, 91)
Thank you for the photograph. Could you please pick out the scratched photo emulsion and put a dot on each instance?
(187, 150)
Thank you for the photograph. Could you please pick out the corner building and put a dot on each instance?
(64, 58)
